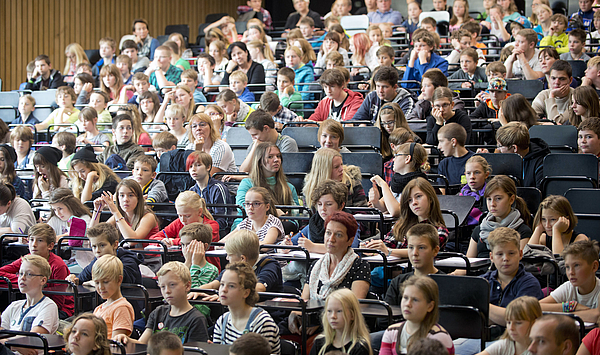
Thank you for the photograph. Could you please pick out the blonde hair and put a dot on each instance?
(81, 57)
(178, 268)
(40, 262)
(264, 47)
(561, 206)
(202, 117)
(525, 308)
(100, 334)
(189, 111)
(193, 200)
(320, 170)
(175, 110)
(418, 158)
(355, 327)
(107, 267)
(239, 75)
(104, 173)
(243, 242)
(431, 293)
(308, 53)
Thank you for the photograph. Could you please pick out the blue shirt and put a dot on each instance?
(416, 72)
(246, 95)
(523, 284)
(392, 16)
(31, 119)
(199, 96)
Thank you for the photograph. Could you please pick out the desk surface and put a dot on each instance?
(369, 310)
(55, 342)
(461, 205)
(211, 349)
(130, 348)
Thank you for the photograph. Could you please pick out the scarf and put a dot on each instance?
(316, 228)
(513, 221)
(399, 181)
(320, 272)
(144, 48)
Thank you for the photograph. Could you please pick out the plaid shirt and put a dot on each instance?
(388, 171)
(285, 115)
(267, 20)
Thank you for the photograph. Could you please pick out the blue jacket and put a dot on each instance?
(370, 107)
(217, 193)
(247, 95)
(588, 19)
(305, 74)
(416, 73)
(523, 284)
(99, 65)
(30, 120)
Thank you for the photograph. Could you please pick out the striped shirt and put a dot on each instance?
(263, 324)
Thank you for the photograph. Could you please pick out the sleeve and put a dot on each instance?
(388, 342)
(479, 112)
(170, 231)
(455, 85)
(561, 294)
(133, 157)
(131, 270)
(590, 340)
(5, 324)
(153, 45)
(359, 198)
(321, 112)
(243, 188)
(10, 271)
(353, 108)
(411, 74)
(547, 41)
(417, 112)
(392, 293)
(530, 287)
(57, 81)
(203, 275)
(270, 275)
(453, 57)
(218, 331)
(362, 114)
(294, 194)
(86, 273)
(466, 123)
(289, 23)
(539, 104)
(22, 218)
(432, 130)
(266, 327)
(304, 232)
(362, 272)
(407, 104)
(82, 99)
(225, 80)
(258, 77)
(123, 318)
(109, 185)
(158, 193)
(197, 330)
(151, 324)
(289, 145)
(497, 348)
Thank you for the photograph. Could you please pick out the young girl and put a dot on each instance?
(418, 204)
(344, 327)
(262, 216)
(584, 105)
(130, 215)
(364, 54)
(460, 14)
(555, 224)
(90, 178)
(412, 23)
(178, 38)
(203, 136)
(535, 7)
(66, 112)
(237, 291)
(217, 115)
(442, 113)
(111, 82)
(235, 109)
(176, 59)
(376, 36)
(47, 176)
(64, 206)
(389, 117)
(260, 52)
(149, 105)
(520, 315)
(218, 50)
(75, 55)
(477, 170)
(21, 138)
(87, 335)
(88, 118)
(420, 298)
(410, 162)
(386, 28)
(139, 133)
(8, 175)
(331, 43)
(308, 53)
(305, 74)
(175, 117)
(500, 196)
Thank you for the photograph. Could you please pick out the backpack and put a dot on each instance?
(117, 163)
(538, 268)
(253, 314)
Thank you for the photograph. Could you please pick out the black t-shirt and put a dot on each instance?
(360, 270)
(190, 326)
(336, 111)
(359, 348)
(484, 252)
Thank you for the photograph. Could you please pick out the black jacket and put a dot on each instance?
(131, 268)
(55, 81)
(533, 163)
(459, 117)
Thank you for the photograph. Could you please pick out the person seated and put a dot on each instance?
(462, 40)
(124, 146)
(423, 58)
(340, 103)
(189, 78)
(116, 311)
(138, 63)
(385, 14)
(452, 139)
(556, 34)
(123, 62)
(89, 178)
(43, 76)
(253, 70)
(108, 48)
(161, 72)
(65, 114)
(25, 111)
(576, 46)
(285, 90)
(302, 10)
(524, 63)
(165, 343)
(17, 215)
(238, 83)
(254, 8)
(474, 75)
(588, 136)
(496, 92)
(432, 79)
(412, 22)
(555, 102)
(554, 334)
(269, 101)
(21, 140)
(304, 73)
(442, 113)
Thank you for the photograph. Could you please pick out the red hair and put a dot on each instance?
(346, 219)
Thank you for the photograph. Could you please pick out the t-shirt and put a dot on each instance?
(190, 326)
(42, 314)
(272, 222)
(335, 111)
(202, 276)
(100, 138)
(19, 216)
(454, 168)
(534, 63)
(504, 346)
(262, 324)
(390, 337)
(286, 144)
(567, 292)
(592, 341)
(117, 315)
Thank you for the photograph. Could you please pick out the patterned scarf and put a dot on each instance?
(320, 272)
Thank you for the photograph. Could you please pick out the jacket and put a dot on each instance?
(55, 81)
(372, 103)
(533, 163)
(416, 73)
(479, 81)
(156, 191)
(305, 75)
(129, 151)
(560, 42)
(217, 192)
(131, 267)
(174, 161)
(459, 117)
(352, 103)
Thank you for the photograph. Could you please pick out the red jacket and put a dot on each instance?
(172, 231)
(351, 105)
(60, 271)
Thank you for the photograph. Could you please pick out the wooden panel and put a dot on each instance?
(33, 27)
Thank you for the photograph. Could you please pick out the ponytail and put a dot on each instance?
(521, 206)
(7, 194)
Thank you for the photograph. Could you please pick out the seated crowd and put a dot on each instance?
(145, 147)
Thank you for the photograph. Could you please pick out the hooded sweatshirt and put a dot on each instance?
(533, 163)
(129, 151)
(349, 107)
(370, 107)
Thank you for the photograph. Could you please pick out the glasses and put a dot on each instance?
(388, 123)
(199, 125)
(400, 154)
(444, 106)
(213, 114)
(253, 204)
(27, 275)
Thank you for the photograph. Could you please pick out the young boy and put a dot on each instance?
(580, 293)
(123, 62)
(285, 90)
(211, 190)
(307, 27)
(432, 79)
(474, 29)
(452, 138)
(26, 108)
(588, 136)
(138, 64)
(253, 344)
(429, 24)
(88, 118)
(162, 143)
(576, 46)
(461, 40)
(592, 74)
(496, 94)
(124, 147)
(117, 312)
(66, 112)
(510, 280)
(41, 315)
(108, 47)
(556, 34)
(190, 79)
(178, 316)
(141, 84)
(66, 142)
(386, 90)
(340, 104)
(269, 101)
(41, 239)
(164, 343)
(423, 58)
(238, 83)
(555, 102)
(256, 7)
(175, 118)
(514, 138)
(385, 56)
(99, 101)
(161, 72)
(195, 241)
(144, 172)
(469, 71)
(104, 240)
(524, 62)
(43, 76)
(492, 70)
(586, 13)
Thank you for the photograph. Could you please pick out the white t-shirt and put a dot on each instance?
(534, 63)
(43, 314)
(566, 292)
(504, 347)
